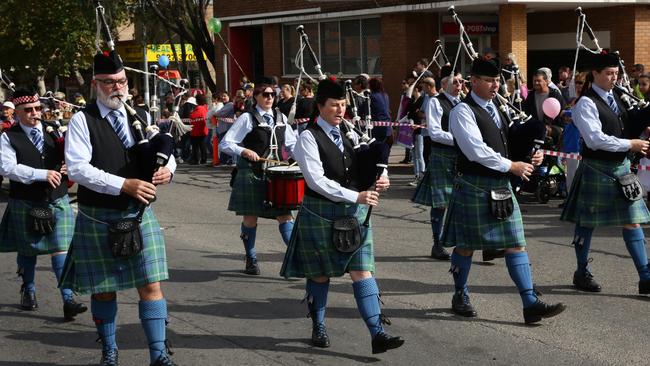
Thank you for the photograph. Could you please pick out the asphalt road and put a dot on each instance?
(219, 316)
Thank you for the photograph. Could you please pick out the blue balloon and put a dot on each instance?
(163, 61)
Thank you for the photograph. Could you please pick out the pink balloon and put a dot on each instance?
(551, 107)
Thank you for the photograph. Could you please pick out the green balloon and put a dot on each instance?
(215, 25)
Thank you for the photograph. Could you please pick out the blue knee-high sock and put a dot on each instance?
(27, 270)
(285, 230)
(57, 267)
(248, 236)
(519, 270)
(104, 314)
(635, 243)
(437, 215)
(581, 244)
(366, 293)
(317, 299)
(153, 315)
(460, 266)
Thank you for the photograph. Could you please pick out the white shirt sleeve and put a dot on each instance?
(585, 118)
(308, 157)
(433, 113)
(289, 137)
(462, 124)
(236, 134)
(79, 152)
(10, 168)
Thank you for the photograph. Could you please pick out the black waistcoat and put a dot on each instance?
(612, 125)
(337, 166)
(259, 139)
(109, 155)
(447, 106)
(493, 137)
(28, 154)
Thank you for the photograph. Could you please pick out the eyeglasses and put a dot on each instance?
(112, 82)
(268, 94)
(32, 109)
(459, 81)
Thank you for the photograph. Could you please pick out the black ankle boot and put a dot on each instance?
(438, 252)
(319, 337)
(27, 299)
(382, 342)
(540, 310)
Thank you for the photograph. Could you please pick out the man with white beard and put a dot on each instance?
(101, 157)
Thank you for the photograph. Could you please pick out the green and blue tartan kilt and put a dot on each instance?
(434, 190)
(90, 266)
(311, 253)
(469, 224)
(15, 236)
(595, 198)
(249, 193)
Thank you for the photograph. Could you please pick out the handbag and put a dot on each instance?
(41, 220)
(346, 234)
(630, 187)
(125, 238)
(501, 205)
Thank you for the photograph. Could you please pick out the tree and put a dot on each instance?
(186, 18)
(51, 38)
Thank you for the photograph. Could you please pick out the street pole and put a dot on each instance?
(146, 62)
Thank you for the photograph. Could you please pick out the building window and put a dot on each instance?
(347, 47)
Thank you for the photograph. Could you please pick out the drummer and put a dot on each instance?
(250, 138)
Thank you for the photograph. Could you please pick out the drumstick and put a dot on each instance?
(274, 161)
(293, 164)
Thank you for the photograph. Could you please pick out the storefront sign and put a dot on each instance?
(134, 53)
(475, 28)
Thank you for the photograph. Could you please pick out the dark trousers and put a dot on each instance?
(199, 145)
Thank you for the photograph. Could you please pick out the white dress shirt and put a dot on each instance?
(230, 144)
(309, 160)
(434, 112)
(79, 152)
(585, 118)
(463, 126)
(9, 166)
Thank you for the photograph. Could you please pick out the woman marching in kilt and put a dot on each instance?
(329, 165)
(483, 212)
(596, 197)
(250, 138)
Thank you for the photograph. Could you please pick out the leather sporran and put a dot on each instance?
(346, 234)
(501, 204)
(630, 187)
(41, 220)
(125, 238)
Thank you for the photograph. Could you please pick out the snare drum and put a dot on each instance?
(285, 187)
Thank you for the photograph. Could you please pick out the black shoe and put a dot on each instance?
(109, 358)
(251, 267)
(540, 309)
(319, 337)
(460, 305)
(586, 282)
(28, 299)
(439, 253)
(644, 287)
(382, 342)
(164, 360)
(492, 254)
(72, 308)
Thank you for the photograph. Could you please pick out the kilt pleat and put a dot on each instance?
(15, 236)
(310, 252)
(249, 193)
(469, 224)
(90, 266)
(434, 190)
(595, 198)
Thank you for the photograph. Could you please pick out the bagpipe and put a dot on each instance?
(526, 135)
(372, 155)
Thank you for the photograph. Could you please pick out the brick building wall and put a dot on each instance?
(512, 34)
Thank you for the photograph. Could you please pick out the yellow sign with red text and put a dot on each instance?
(135, 53)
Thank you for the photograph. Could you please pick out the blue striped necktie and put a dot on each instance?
(37, 139)
(336, 134)
(118, 126)
(612, 103)
(269, 119)
(493, 114)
